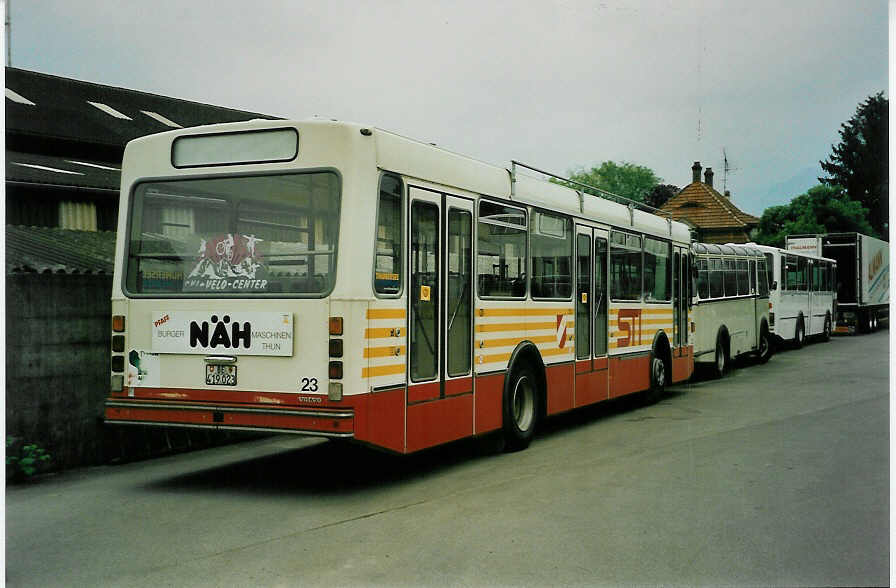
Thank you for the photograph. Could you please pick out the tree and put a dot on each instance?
(859, 162)
(823, 209)
(623, 179)
(661, 194)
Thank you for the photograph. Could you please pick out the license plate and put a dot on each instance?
(220, 375)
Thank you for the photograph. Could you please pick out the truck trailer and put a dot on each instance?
(863, 276)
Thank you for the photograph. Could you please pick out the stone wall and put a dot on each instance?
(58, 336)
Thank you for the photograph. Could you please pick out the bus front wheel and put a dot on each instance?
(826, 334)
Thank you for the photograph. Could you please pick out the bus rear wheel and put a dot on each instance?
(765, 345)
(799, 337)
(721, 364)
(826, 334)
(520, 409)
(658, 379)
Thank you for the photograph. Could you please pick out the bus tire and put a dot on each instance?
(660, 369)
(765, 344)
(520, 408)
(721, 364)
(799, 336)
(826, 334)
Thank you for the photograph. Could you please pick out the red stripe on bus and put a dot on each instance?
(629, 374)
(434, 423)
(382, 423)
(591, 387)
(458, 386)
(249, 397)
(422, 392)
(247, 420)
(489, 395)
(560, 384)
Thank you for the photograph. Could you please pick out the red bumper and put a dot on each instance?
(328, 422)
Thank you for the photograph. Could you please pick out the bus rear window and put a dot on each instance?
(257, 235)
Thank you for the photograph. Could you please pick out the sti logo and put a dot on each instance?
(221, 336)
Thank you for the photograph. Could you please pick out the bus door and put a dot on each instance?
(440, 386)
(592, 383)
(681, 297)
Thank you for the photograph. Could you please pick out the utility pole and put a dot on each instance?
(8, 30)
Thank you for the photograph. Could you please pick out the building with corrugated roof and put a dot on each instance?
(713, 217)
(64, 142)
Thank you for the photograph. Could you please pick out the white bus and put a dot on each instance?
(731, 312)
(326, 278)
(803, 294)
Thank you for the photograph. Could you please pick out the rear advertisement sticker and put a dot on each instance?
(230, 333)
(228, 262)
(143, 369)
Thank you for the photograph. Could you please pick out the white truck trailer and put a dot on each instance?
(863, 276)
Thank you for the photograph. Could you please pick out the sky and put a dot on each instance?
(559, 85)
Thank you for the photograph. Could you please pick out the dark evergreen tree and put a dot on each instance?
(859, 162)
(660, 195)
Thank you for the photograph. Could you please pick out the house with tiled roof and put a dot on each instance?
(713, 216)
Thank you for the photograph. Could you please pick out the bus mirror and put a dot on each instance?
(775, 285)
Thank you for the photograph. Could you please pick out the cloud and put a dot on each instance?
(557, 84)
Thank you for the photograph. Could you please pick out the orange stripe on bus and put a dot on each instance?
(508, 341)
(388, 351)
(556, 351)
(504, 327)
(523, 311)
(381, 333)
(382, 370)
(502, 357)
(652, 311)
(385, 313)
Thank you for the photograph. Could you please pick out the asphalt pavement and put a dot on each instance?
(774, 475)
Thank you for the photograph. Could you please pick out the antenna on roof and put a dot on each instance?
(727, 167)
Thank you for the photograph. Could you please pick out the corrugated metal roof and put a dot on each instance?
(63, 108)
(41, 249)
(62, 171)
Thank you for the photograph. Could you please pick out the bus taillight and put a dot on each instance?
(335, 371)
(335, 325)
(117, 364)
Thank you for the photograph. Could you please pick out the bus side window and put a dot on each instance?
(625, 266)
(702, 278)
(752, 276)
(763, 278)
(550, 244)
(716, 278)
(501, 251)
(388, 264)
(657, 270)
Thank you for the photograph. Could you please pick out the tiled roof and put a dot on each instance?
(705, 208)
(40, 249)
(42, 105)
(62, 171)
